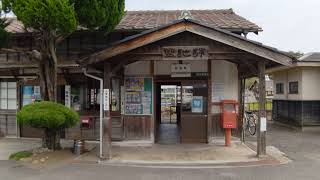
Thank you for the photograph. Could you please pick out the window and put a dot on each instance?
(279, 88)
(8, 95)
(293, 87)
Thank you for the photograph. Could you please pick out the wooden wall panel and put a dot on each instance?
(8, 125)
(137, 127)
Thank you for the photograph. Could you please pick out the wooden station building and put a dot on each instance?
(203, 53)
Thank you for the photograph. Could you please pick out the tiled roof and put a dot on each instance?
(144, 20)
(224, 19)
(312, 57)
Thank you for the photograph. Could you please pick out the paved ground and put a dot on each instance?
(179, 153)
(9, 146)
(302, 148)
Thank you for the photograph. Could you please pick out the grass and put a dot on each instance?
(19, 155)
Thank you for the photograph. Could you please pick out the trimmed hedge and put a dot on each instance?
(48, 115)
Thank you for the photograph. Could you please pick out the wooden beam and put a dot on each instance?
(239, 43)
(261, 136)
(134, 43)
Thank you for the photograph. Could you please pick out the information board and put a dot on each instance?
(138, 96)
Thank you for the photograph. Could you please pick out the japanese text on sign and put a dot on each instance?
(185, 53)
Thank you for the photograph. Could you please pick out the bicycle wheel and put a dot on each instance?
(252, 126)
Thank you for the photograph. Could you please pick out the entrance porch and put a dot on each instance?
(211, 62)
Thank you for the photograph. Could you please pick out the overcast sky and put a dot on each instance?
(288, 24)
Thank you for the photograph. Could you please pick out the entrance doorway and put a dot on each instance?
(181, 112)
(169, 119)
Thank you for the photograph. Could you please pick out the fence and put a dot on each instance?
(254, 106)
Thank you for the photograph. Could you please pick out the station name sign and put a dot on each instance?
(185, 53)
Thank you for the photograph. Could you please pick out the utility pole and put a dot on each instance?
(262, 121)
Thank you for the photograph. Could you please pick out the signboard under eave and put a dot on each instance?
(177, 53)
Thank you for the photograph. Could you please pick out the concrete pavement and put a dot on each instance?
(302, 148)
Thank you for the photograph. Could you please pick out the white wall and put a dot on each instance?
(310, 83)
(139, 68)
(226, 74)
(285, 77)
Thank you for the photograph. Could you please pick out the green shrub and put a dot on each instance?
(19, 155)
(50, 116)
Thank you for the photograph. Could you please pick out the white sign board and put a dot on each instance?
(263, 124)
(106, 99)
(180, 70)
(67, 96)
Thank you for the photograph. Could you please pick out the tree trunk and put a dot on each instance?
(51, 139)
(48, 68)
(48, 83)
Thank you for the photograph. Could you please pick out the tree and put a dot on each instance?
(53, 20)
(296, 54)
(50, 116)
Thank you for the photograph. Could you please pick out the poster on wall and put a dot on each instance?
(197, 104)
(134, 84)
(31, 94)
(138, 96)
(217, 92)
(28, 97)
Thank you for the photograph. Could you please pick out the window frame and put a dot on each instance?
(290, 87)
(281, 90)
(7, 98)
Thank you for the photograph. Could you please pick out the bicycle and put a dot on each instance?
(250, 120)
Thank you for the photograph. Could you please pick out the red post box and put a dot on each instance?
(229, 113)
(86, 122)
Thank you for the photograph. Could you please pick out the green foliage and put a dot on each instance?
(63, 16)
(19, 155)
(297, 54)
(48, 115)
(55, 16)
(102, 14)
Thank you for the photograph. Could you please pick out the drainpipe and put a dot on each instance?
(101, 106)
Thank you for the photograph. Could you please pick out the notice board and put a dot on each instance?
(138, 96)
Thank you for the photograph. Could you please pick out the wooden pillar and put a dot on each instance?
(261, 136)
(153, 118)
(209, 101)
(107, 123)
(241, 107)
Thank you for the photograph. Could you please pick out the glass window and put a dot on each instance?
(279, 88)
(8, 95)
(293, 87)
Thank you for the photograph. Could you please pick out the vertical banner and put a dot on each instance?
(122, 99)
(106, 99)
(67, 96)
(36, 92)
